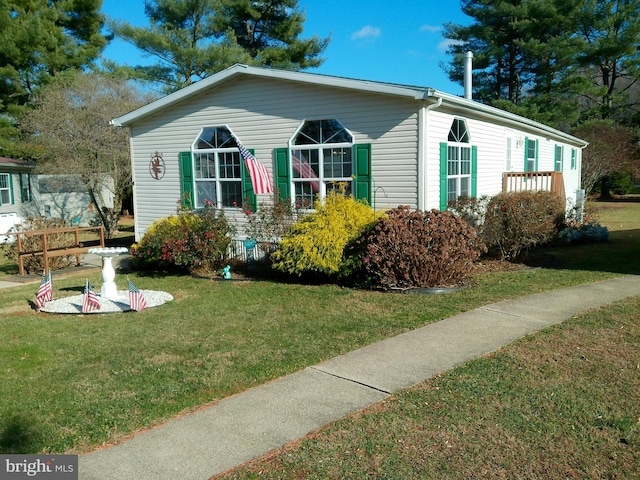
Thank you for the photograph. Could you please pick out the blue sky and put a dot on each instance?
(399, 41)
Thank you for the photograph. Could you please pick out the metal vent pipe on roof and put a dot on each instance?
(468, 67)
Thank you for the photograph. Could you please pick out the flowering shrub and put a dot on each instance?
(470, 209)
(192, 241)
(35, 263)
(591, 232)
(516, 221)
(315, 244)
(418, 249)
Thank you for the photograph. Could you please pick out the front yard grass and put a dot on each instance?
(72, 383)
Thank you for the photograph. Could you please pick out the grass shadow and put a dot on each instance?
(19, 435)
(621, 254)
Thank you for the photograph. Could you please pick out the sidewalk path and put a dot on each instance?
(250, 424)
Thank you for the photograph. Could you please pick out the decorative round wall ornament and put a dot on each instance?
(156, 166)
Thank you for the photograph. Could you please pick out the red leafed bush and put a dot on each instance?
(410, 249)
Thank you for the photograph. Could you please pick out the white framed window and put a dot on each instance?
(321, 153)
(217, 168)
(458, 161)
(557, 160)
(458, 172)
(531, 155)
(5, 189)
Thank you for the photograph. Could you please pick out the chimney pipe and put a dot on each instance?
(468, 66)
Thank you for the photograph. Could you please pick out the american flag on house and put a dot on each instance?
(259, 174)
(137, 301)
(90, 300)
(45, 291)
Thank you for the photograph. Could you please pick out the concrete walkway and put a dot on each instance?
(250, 424)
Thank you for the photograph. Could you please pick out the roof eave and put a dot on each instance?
(507, 117)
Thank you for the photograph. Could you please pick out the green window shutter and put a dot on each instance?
(282, 172)
(11, 188)
(186, 180)
(362, 190)
(443, 176)
(537, 149)
(248, 194)
(573, 159)
(526, 154)
(474, 171)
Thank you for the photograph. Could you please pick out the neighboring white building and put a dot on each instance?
(66, 197)
(15, 191)
(392, 144)
(23, 194)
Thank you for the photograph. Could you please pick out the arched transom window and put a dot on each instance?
(321, 158)
(217, 168)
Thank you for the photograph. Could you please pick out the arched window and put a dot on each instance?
(321, 158)
(217, 168)
(458, 159)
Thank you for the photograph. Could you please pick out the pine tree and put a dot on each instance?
(192, 39)
(38, 40)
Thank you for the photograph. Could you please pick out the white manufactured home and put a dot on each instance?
(391, 144)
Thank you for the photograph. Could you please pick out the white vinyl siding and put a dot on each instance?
(265, 114)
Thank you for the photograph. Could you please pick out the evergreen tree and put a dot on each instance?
(192, 39)
(269, 31)
(556, 61)
(610, 57)
(38, 40)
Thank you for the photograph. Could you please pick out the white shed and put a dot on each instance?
(392, 144)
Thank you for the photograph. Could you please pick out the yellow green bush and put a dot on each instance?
(316, 243)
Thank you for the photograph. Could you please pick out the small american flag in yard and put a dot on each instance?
(45, 292)
(137, 301)
(260, 178)
(90, 300)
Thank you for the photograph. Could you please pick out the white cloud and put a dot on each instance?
(430, 28)
(446, 43)
(366, 32)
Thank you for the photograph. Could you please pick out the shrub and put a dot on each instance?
(315, 244)
(517, 221)
(189, 240)
(470, 209)
(35, 264)
(591, 232)
(418, 249)
(269, 223)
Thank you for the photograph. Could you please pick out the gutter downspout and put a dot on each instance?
(423, 144)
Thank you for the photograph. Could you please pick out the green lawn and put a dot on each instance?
(71, 383)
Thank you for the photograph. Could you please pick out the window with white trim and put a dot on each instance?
(458, 161)
(217, 168)
(531, 155)
(557, 160)
(508, 165)
(5, 189)
(321, 158)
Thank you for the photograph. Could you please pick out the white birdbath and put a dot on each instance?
(108, 289)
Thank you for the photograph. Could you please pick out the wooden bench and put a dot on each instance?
(76, 249)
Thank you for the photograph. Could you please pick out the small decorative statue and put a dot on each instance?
(226, 273)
